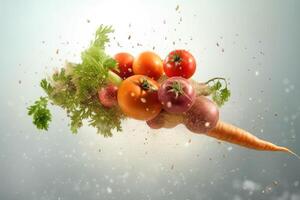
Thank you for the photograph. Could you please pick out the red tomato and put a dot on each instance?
(125, 61)
(180, 63)
(148, 64)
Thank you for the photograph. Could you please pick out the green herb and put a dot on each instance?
(75, 88)
(220, 93)
(40, 113)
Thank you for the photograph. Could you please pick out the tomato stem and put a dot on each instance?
(177, 89)
(176, 58)
(145, 85)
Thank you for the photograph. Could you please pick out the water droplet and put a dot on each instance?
(169, 104)
(109, 190)
(207, 124)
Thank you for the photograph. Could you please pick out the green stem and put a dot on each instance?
(216, 78)
(114, 78)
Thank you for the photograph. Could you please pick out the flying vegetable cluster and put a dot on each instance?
(104, 90)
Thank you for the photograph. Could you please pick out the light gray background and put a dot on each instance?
(261, 58)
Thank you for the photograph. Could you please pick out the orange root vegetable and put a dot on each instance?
(232, 134)
(222, 131)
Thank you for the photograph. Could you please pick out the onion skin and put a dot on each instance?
(201, 89)
(165, 120)
(203, 116)
(177, 95)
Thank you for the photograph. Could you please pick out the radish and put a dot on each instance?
(108, 96)
(201, 118)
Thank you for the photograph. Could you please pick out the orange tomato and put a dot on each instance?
(137, 97)
(148, 64)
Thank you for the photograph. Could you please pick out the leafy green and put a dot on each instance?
(75, 88)
(41, 114)
(220, 93)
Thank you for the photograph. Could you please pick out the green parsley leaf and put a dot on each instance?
(220, 94)
(75, 89)
(41, 114)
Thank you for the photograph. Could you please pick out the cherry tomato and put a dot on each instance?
(125, 61)
(137, 97)
(148, 64)
(180, 63)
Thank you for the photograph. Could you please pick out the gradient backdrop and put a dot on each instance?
(258, 50)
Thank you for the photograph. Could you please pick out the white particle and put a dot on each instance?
(169, 104)
(286, 81)
(132, 94)
(229, 148)
(129, 69)
(287, 90)
(207, 124)
(143, 100)
(109, 190)
(256, 73)
(261, 130)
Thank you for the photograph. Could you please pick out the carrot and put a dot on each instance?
(222, 131)
(229, 133)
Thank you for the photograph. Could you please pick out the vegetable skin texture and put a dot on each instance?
(180, 63)
(125, 61)
(201, 89)
(177, 95)
(149, 64)
(222, 131)
(232, 134)
(203, 115)
(165, 120)
(137, 97)
(108, 96)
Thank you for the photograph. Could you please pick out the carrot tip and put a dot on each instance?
(290, 152)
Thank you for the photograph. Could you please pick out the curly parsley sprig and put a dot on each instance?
(219, 92)
(40, 113)
(75, 87)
